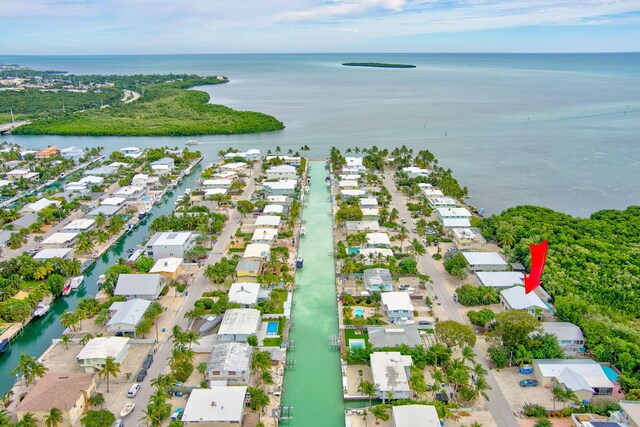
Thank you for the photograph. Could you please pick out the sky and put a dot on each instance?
(301, 26)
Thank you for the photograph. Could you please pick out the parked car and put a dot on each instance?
(177, 414)
(424, 322)
(118, 423)
(148, 361)
(528, 383)
(141, 375)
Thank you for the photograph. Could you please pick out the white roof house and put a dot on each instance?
(113, 201)
(485, 261)
(130, 192)
(432, 192)
(133, 152)
(215, 191)
(280, 200)
(378, 240)
(442, 202)
(268, 221)
(280, 187)
(453, 213)
(170, 244)
(245, 294)
(257, 250)
(352, 177)
(348, 184)
(79, 225)
(217, 405)
(390, 372)
(352, 193)
(500, 279)
(353, 161)
(575, 374)
(225, 174)
(238, 323)
(217, 183)
(630, 411)
(414, 172)
(362, 225)
(166, 265)
(456, 223)
(264, 235)
(273, 209)
(140, 180)
(237, 166)
(52, 253)
(282, 172)
(96, 351)
(146, 286)
(39, 205)
(128, 315)
(370, 213)
(396, 301)
(516, 299)
(569, 336)
(415, 416)
(60, 239)
(370, 202)
(92, 180)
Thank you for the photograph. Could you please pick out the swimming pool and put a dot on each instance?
(272, 328)
(146, 198)
(610, 373)
(357, 343)
(358, 312)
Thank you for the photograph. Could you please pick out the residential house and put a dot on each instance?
(79, 226)
(516, 299)
(248, 270)
(397, 306)
(257, 251)
(215, 407)
(629, 412)
(442, 202)
(584, 376)
(453, 223)
(244, 293)
(282, 172)
(92, 180)
(415, 416)
(352, 162)
(433, 193)
(113, 201)
(67, 391)
(217, 183)
(25, 221)
(416, 172)
(133, 152)
(346, 184)
(391, 372)
(165, 161)
(253, 154)
(171, 267)
(131, 192)
(453, 213)
(230, 362)
(360, 226)
(468, 238)
(378, 240)
(393, 336)
(485, 261)
(210, 192)
(145, 286)
(267, 236)
(17, 174)
(500, 279)
(76, 188)
(351, 193)
(170, 244)
(39, 205)
(354, 177)
(227, 174)
(48, 152)
(51, 253)
(287, 160)
(59, 240)
(161, 169)
(377, 280)
(125, 315)
(280, 188)
(237, 167)
(370, 214)
(368, 202)
(140, 180)
(268, 221)
(73, 153)
(105, 210)
(238, 324)
(279, 200)
(94, 354)
(273, 210)
(569, 336)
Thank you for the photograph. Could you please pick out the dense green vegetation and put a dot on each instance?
(377, 65)
(592, 273)
(164, 109)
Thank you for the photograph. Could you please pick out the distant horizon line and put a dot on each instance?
(327, 53)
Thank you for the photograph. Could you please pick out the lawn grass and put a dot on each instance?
(350, 334)
(272, 342)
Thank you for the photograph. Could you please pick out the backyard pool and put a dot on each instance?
(356, 343)
(146, 198)
(272, 328)
(358, 312)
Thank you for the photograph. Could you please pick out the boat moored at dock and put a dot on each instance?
(41, 309)
(76, 282)
(299, 262)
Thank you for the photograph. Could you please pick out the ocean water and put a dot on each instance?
(556, 130)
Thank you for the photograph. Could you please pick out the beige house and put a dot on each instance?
(68, 391)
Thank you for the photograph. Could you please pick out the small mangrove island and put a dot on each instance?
(377, 65)
(55, 103)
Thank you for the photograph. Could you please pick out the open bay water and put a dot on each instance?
(555, 130)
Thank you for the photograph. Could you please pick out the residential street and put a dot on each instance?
(497, 404)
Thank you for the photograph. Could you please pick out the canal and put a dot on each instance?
(37, 335)
(313, 388)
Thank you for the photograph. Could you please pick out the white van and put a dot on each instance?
(133, 390)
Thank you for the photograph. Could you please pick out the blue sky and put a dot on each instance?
(265, 26)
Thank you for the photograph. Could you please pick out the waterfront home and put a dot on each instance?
(442, 202)
(107, 211)
(377, 280)
(51, 253)
(279, 200)
(169, 162)
(79, 226)
(73, 153)
(93, 355)
(372, 255)
(210, 192)
(67, 391)
(485, 261)
(266, 236)
(133, 152)
(354, 162)
(40, 205)
(268, 221)
(230, 363)
(360, 226)
(76, 188)
(237, 167)
(16, 174)
(348, 184)
(584, 377)
(282, 172)
(248, 270)
(353, 177)
(161, 169)
(125, 315)
(350, 194)
(415, 416)
(433, 193)
(368, 202)
(232, 155)
(253, 154)
(118, 165)
(244, 293)
(153, 182)
(171, 267)
(287, 160)
(393, 336)
(500, 279)
(91, 180)
(416, 172)
(391, 372)
(140, 180)
(354, 170)
(516, 299)
(225, 175)
(170, 244)
(216, 406)
(217, 183)
(273, 210)
(378, 240)
(569, 336)
(48, 152)
(24, 221)
(257, 251)
(453, 213)
(370, 214)
(468, 238)
(453, 223)
(100, 171)
(280, 188)
(59, 240)
(238, 324)
(131, 192)
(145, 286)
(113, 201)
(397, 306)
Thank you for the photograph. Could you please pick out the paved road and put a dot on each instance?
(195, 290)
(497, 404)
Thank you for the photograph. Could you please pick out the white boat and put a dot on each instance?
(101, 279)
(191, 142)
(303, 231)
(41, 309)
(76, 282)
(306, 189)
(187, 191)
(127, 409)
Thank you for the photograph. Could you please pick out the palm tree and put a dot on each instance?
(417, 249)
(97, 399)
(5, 420)
(85, 243)
(65, 340)
(28, 420)
(111, 368)
(368, 388)
(380, 413)
(481, 386)
(468, 354)
(202, 368)
(38, 370)
(54, 418)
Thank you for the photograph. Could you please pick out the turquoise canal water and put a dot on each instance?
(38, 334)
(314, 387)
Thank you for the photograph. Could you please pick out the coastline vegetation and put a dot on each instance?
(164, 109)
(377, 65)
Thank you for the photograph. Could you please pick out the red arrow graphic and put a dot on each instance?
(538, 259)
